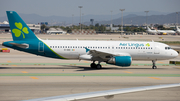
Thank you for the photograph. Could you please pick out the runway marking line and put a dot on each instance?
(127, 72)
(86, 61)
(9, 61)
(14, 65)
(24, 72)
(33, 77)
(155, 78)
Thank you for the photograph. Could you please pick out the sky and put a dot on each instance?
(94, 7)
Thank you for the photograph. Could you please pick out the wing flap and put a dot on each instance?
(100, 53)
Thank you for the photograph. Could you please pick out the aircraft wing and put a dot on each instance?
(96, 53)
(101, 55)
(107, 93)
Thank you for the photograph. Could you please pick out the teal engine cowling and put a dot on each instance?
(120, 61)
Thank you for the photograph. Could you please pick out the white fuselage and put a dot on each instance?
(152, 31)
(166, 31)
(160, 31)
(72, 49)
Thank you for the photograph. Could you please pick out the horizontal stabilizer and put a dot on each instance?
(20, 45)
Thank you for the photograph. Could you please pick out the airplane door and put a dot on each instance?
(41, 47)
(156, 50)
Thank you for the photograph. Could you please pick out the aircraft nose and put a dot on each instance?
(175, 54)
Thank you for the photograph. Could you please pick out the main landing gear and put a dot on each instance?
(97, 66)
(154, 64)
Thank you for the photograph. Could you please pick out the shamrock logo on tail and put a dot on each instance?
(20, 30)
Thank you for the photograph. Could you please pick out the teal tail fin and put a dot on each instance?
(19, 29)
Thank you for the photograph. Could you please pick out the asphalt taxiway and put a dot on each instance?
(24, 76)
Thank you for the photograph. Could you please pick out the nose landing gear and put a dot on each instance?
(154, 64)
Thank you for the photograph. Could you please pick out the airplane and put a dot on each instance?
(119, 53)
(160, 32)
(108, 94)
(151, 31)
(165, 32)
(177, 29)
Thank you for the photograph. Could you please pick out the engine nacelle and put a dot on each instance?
(120, 60)
(85, 57)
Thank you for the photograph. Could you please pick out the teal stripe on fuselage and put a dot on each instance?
(34, 48)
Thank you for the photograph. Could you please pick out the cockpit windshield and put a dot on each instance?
(167, 48)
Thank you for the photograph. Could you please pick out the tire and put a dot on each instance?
(98, 66)
(93, 65)
(154, 67)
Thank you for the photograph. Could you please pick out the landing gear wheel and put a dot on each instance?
(154, 64)
(154, 67)
(98, 66)
(93, 65)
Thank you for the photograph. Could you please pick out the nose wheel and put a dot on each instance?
(154, 64)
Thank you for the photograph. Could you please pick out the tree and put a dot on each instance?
(44, 28)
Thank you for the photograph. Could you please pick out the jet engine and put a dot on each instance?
(120, 61)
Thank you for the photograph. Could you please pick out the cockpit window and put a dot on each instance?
(167, 48)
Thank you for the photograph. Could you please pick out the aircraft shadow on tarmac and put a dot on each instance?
(81, 68)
